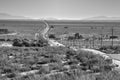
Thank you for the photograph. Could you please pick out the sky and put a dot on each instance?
(62, 9)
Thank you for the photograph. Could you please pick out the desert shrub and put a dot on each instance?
(112, 75)
(72, 75)
(2, 39)
(70, 54)
(43, 61)
(84, 56)
(78, 36)
(11, 75)
(8, 40)
(71, 38)
(113, 37)
(92, 61)
(28, 43)
(17, 42)
(55, 66)
(7, 70)
(25, 43)
(45, 69)
(110, 49)
(24, 69)
(52, 36)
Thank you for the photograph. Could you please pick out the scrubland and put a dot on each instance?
(54, 63)
(34, 60)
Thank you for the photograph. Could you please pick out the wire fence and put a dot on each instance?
(105, 37)
(90, 43)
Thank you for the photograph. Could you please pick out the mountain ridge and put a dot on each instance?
(103, 18)
(6, 16)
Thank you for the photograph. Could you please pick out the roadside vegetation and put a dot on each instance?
(54, 63)
(110, 49)
(29, 43)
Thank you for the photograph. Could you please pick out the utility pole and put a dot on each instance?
(112, 36)
(93, 40)
(93, 37)
(92, 28)
(101, 39)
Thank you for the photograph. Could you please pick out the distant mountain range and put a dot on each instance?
(103, 18)
(5, 16)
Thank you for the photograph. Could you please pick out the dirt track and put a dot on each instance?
(55, 43)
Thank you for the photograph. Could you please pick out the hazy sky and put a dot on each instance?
(61, 8)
